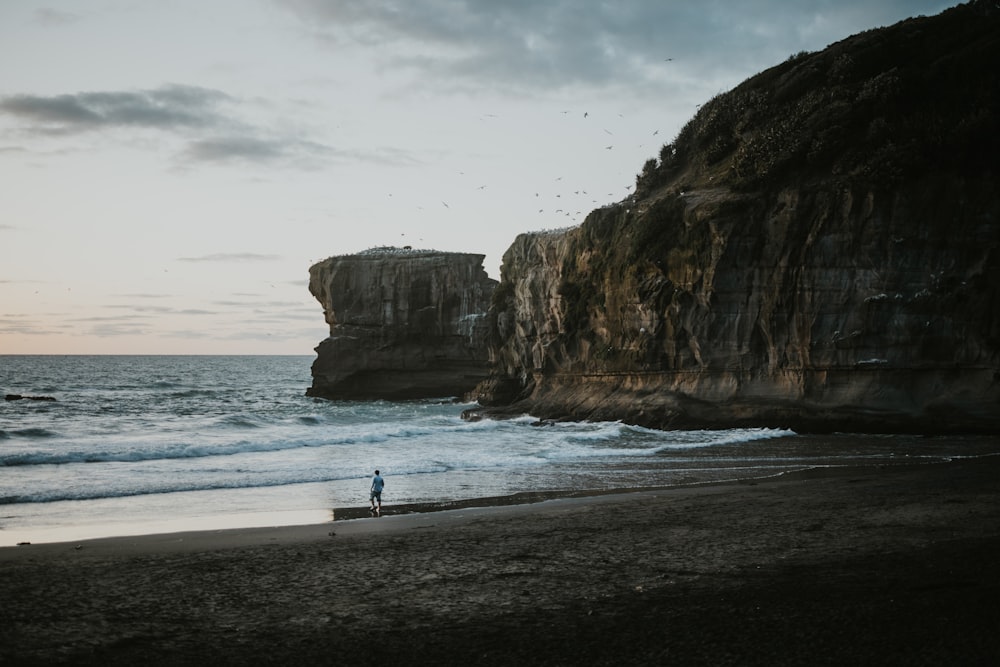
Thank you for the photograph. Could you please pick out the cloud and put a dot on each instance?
(232, 257)
(564, 43)
(314, 317)
(275, 334)
(141, 321)
(235, 148)
(106, 319)
(196, 311)
(169, 107)
(112, 329)
(145, 295)
(285, 306)
(161, 310)
(203, 118)
(253, 149)
(248, 148)
(55, 17)
(26, 325)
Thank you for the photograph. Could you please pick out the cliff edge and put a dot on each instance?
(818, 249)
(403, 324)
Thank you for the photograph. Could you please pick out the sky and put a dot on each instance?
(169, 171)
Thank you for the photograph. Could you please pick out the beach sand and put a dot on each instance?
(888, 565)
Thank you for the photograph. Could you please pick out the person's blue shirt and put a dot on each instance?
(377, 483)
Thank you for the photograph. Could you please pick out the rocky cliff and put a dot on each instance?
(403, 324)
(817, 249)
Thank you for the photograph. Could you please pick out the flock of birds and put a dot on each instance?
(563, 202)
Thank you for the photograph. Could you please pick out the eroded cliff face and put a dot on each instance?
(830, 284)
(403, 324)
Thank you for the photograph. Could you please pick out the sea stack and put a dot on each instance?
(404, 324)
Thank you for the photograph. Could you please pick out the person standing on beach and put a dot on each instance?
(376, 495)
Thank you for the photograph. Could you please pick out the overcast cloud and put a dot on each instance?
(53, 17)
(523, 44)
(166, 108)
(212, 135)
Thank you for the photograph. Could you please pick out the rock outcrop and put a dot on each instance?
(818, 249)
(403, 324)
(19, 397)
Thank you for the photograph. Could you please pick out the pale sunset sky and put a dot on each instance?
(170, 170)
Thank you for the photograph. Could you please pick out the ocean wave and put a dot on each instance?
(596, 431)
(195, 393)
(644, 438)
(705, 438)
(270, 440)
(97, 493)
(165, 384)
(240, 421)
(615, 440)
(207, 480)
(134, 455)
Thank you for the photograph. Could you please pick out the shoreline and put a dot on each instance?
(223, 524)
(511, 504)
(887, 565)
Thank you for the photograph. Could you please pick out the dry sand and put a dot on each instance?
(891, 565)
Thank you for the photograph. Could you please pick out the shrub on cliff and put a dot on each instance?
(876, 108)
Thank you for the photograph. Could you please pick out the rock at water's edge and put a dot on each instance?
(404, 324)
(19, 397)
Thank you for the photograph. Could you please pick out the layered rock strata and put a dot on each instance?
(403, 324)
(818, 249)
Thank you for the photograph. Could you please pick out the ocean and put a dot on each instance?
(150, 444)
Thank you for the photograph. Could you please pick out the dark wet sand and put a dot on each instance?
(890, 565)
